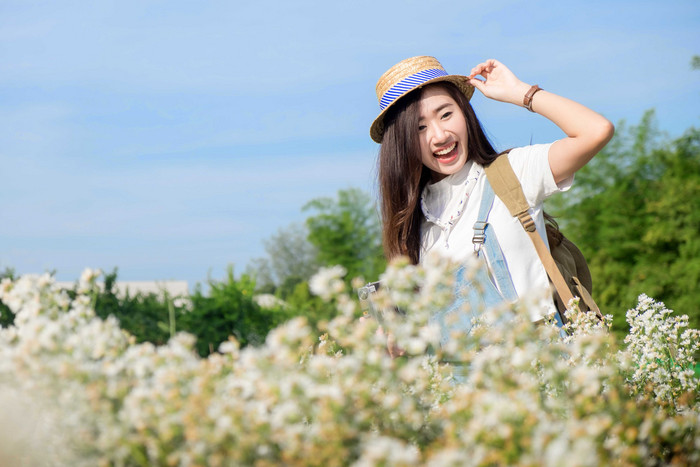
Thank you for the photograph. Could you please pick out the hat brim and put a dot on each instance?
(376, 131)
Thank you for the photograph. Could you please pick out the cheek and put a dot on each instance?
(425, 150)
(463, 129)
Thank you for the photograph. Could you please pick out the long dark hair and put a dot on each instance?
(402, 175)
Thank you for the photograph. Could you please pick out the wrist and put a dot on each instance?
(519, 92)
(529, 95)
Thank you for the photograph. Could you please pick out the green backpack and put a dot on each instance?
(565, 265)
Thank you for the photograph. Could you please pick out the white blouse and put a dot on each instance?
(451, 206)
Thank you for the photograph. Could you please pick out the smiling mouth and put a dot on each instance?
(447, 154)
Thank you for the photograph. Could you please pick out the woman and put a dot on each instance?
(431, 161)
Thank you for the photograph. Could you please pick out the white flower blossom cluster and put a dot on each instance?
(525, 397)
(662, 351)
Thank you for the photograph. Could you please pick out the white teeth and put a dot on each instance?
(446, 151)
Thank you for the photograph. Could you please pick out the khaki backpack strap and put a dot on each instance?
(586, 298)
(507, 187)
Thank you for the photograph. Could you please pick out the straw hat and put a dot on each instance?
(404, 77)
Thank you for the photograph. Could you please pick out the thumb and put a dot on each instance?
(478, 84)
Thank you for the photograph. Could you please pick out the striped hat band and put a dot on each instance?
(408, 84)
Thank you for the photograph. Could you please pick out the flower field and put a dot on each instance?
(78, 390)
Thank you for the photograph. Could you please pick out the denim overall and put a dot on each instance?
(481, 291)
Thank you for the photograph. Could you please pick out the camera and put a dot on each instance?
(365, 296)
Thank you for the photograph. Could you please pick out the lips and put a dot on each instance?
(447, 153)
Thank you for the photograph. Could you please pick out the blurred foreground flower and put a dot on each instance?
(527, 396)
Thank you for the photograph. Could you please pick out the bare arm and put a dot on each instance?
(586, 131)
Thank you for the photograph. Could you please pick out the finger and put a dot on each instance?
(482, 71)
(396, 351)
(485, 65)
(477, 70)
(488, 67)
(491, 65)
(477, 83)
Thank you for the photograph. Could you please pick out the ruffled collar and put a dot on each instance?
(443, 202)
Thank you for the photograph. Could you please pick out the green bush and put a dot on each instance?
(226, 309)
(229, 310)
(302, 302)
(6, 317)
(145, 316)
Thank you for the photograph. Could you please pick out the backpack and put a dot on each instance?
(565, 264)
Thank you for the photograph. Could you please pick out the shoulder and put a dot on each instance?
(531, 166)
(531, 163)
(527, 158)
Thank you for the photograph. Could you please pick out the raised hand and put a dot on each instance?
(498, 83)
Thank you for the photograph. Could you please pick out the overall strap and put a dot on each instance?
(485, 237)
(507, 186)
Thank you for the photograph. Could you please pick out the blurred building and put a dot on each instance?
(174, 288)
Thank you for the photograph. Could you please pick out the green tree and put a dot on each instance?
(347, 231)
(291, 259)
(344, 231)
(635, 213)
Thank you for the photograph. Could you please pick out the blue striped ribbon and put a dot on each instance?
(408, 84)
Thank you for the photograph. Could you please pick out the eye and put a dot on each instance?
(421, 127)
(446, 115)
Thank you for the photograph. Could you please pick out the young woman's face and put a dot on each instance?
(442, 131)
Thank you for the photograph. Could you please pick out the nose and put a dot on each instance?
(438, 133)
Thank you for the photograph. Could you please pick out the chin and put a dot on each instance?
(454, 168)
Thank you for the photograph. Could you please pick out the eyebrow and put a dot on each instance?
(437, 110)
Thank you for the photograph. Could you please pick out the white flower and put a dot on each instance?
(327, 282)
(524, 396)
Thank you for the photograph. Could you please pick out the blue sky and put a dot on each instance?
(169, 138)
